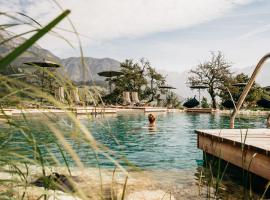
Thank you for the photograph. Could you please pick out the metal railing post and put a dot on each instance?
(247, 88)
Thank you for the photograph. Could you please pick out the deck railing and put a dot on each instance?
(247, 88)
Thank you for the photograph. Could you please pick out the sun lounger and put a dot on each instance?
(60, 94)
(74, 94)
(135, 99)
(126, 98)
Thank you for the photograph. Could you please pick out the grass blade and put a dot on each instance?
(24, 46)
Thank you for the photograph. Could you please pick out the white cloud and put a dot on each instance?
(108, 19)
(255, 32)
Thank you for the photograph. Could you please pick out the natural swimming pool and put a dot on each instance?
(169, 153)
(172, 145)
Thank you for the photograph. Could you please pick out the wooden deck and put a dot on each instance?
(248, 149)
(200, 110)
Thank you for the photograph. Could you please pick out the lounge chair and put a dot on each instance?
(60, 94)
(74, 94)
(135, 99)
(126, 98)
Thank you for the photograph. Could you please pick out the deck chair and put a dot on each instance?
(161, 99)
(74, 93)
(135, 99)
(85, 96)
(126, 98)
(59, 94)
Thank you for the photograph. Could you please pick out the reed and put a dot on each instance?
(17, 161)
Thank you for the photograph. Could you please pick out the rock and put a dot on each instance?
(150, 195)
(55, 181)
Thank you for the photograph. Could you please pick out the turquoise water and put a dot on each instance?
(172, 145)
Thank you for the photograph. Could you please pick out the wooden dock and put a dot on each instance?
(200, 110)
(95, 110)
(248, 149)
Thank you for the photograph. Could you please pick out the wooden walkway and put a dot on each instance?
(200, 110)
(248, 149)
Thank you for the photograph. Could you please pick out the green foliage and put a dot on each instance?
(204, 103)
(137, 77)
(156, 80)
(214, 73)
(255, 93)
(172, 101)
(4, 62)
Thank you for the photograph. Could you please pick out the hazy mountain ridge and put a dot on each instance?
(34, 53)
(76, 71)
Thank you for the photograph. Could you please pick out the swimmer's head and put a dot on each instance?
(151, 118)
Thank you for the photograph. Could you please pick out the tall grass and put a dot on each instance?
(17, 160)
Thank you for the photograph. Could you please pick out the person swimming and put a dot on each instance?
(152, 120)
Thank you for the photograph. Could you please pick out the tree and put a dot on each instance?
(172, 101)
(132, 79)
(138, 77)
(156, 80)
(253, 96)
(214, 73)
(204, 103)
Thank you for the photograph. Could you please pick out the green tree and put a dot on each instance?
(156, 79)
(132, 79)
(253, 96)
(204, 103)
(138, 77)
(172, 100)
(214, 73)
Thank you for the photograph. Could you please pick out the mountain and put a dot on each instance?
(34, 53)
(73, 66)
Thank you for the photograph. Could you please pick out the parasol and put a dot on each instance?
(167, 87)
(267, 88)
(110, 74)
(239, 84)
(43, 64)
(199, 87)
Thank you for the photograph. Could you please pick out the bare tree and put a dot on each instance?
(214, 73)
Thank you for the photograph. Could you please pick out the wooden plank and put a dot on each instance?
(256, 138)
(200, 110)
(248, 159)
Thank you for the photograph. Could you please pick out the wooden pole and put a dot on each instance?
(247, 88)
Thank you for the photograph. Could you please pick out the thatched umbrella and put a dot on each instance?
(239, 84)
(267, 88)
(109, 75)
(167, 87)
(43, 64)
(199, 88)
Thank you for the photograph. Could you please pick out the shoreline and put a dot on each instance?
(110, 110)
(153, 184)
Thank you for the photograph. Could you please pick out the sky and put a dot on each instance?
(174, 35)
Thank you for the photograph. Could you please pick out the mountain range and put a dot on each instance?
(73, 67)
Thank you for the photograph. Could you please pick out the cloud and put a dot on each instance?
(255, 32)
(109, 19)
